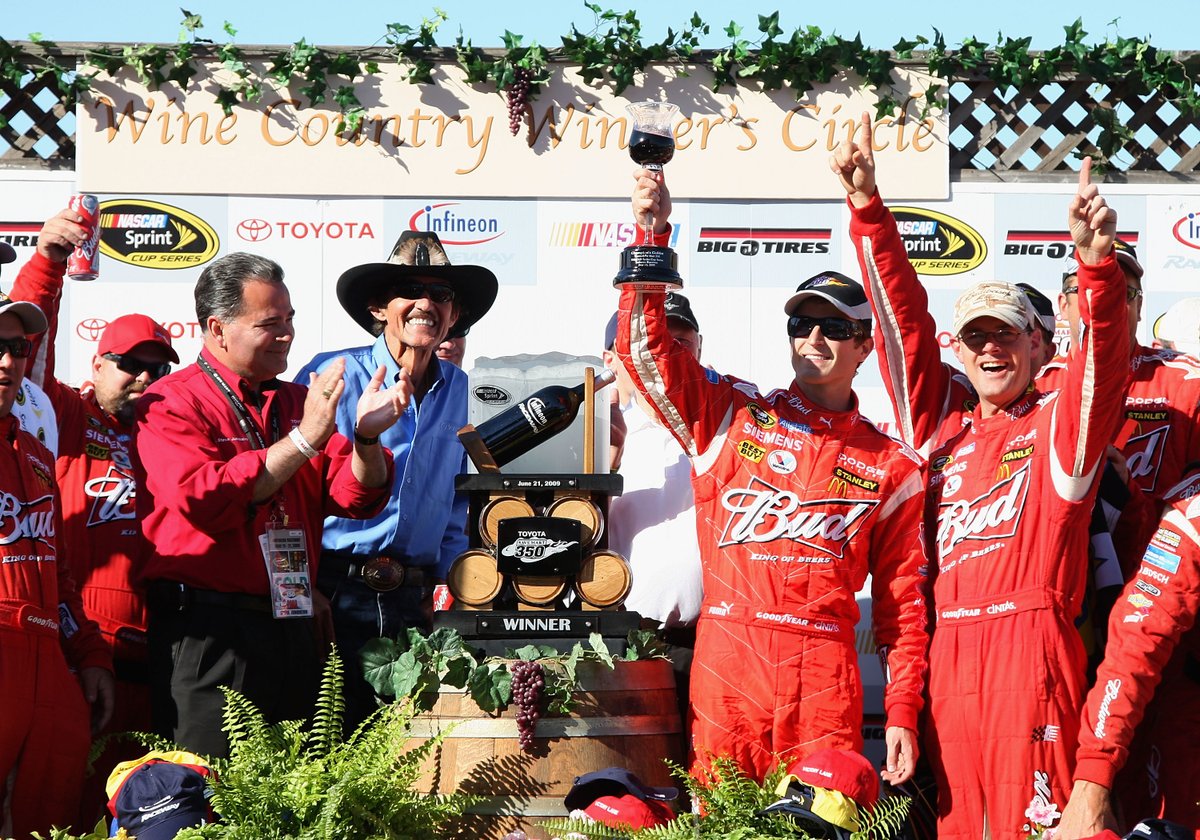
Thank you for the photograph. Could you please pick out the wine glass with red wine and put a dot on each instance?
(652, 140)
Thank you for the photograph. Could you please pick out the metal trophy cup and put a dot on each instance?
(647, 267)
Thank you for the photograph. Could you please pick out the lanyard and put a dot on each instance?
(244, 418)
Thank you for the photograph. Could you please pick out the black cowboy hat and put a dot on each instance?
(418, 254)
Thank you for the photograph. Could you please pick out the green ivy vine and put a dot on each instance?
(612, 53)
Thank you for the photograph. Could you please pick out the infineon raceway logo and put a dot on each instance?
(150, 234)
(751, 241)
(453, 226)
(1055, 244)
(1187, 231)
(938, 244)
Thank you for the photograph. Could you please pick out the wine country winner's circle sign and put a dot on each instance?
(450, 138)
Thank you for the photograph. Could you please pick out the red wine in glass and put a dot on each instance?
(650, 150)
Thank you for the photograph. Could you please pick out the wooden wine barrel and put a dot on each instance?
(624, 717)
(538, 591)
(582, 510)
(604, 579)
(502, 507)
(474, 579)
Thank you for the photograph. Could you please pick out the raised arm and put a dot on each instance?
(928, 399)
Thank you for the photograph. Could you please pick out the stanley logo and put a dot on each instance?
(747, 449)
(1147, 416)
(938, 244)
(856, 480)
(150, 234)
(1016, 454)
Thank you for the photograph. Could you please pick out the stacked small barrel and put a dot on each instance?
(601, 581)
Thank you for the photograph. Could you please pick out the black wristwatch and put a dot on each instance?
(363, 439)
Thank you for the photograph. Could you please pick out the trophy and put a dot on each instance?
(647, 267)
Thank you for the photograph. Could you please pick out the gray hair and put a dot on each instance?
(219, 290)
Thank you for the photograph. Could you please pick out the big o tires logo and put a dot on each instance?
(938, 244)
(150, 234)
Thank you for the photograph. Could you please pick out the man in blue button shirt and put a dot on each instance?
(379, 573)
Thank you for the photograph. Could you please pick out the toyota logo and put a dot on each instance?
(89, 329)
(254, 230)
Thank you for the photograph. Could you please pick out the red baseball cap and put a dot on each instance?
(840, 770)
(128, 331)
(629, 811)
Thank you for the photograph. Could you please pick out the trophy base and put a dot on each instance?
(649, 268)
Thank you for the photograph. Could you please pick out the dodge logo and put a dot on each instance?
(89, 329)
(254, 230)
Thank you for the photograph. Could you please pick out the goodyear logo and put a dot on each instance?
(748, 449)
(856, 480)
(938, 244)
(1147, 416)
(1016, 454)
(150, 234)
(95, 450)
(762, 418)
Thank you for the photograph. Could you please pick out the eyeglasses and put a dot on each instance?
(978, 339)
(18, 348)
(436, 292)
(835, 329)
(1131, 294)
(136, 367)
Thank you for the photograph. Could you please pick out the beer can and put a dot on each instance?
(84, 261)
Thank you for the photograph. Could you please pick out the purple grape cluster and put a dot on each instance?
(528, 680)
(518, 98)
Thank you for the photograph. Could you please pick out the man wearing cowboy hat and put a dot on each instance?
(379, 573)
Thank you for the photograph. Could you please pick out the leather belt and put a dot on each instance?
(172, 596)
(381, 573)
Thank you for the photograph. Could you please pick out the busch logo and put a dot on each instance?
(764, 513)
(992, 516)
(113, 495)
(32, 520)
(1144, 455)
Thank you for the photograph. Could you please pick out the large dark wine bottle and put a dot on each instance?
(534, 420)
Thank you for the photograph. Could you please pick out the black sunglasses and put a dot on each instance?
(18, 348)
(436, 292)
(835, 329)
(136, 367)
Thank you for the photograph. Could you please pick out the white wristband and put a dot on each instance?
(305, 448)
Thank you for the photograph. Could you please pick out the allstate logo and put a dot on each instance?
(254, 230)
(89, 329)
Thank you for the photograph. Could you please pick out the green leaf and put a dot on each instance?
(229, 30)
(527, 652)
(406, 675)
(601, 649)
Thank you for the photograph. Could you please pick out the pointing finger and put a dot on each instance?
(1085, 174)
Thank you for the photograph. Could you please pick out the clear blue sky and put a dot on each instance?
(358, 22)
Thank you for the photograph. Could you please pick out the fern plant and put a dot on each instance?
(732, 803)
(288, 780)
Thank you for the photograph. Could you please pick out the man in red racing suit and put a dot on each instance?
(798, 499)
(101, 537)
(44, 729)
(1010, 500)
(1153, 637)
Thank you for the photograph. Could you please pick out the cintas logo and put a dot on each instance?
(258, 230)
(150, 234)
(453, 225)
(1052, 244)
(761, 513)
(938, 244)
(1187, 231)
(750, 242)
(991, 516)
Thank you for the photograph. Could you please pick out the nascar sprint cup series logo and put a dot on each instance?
(938, 244)
(150, 234)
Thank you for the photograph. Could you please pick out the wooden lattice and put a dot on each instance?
(1009, 134)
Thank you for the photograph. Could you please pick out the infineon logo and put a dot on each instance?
(150, 234)
(454, 227)
(938, 244)
(1187, 231)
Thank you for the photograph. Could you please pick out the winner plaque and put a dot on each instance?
(648, 267)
